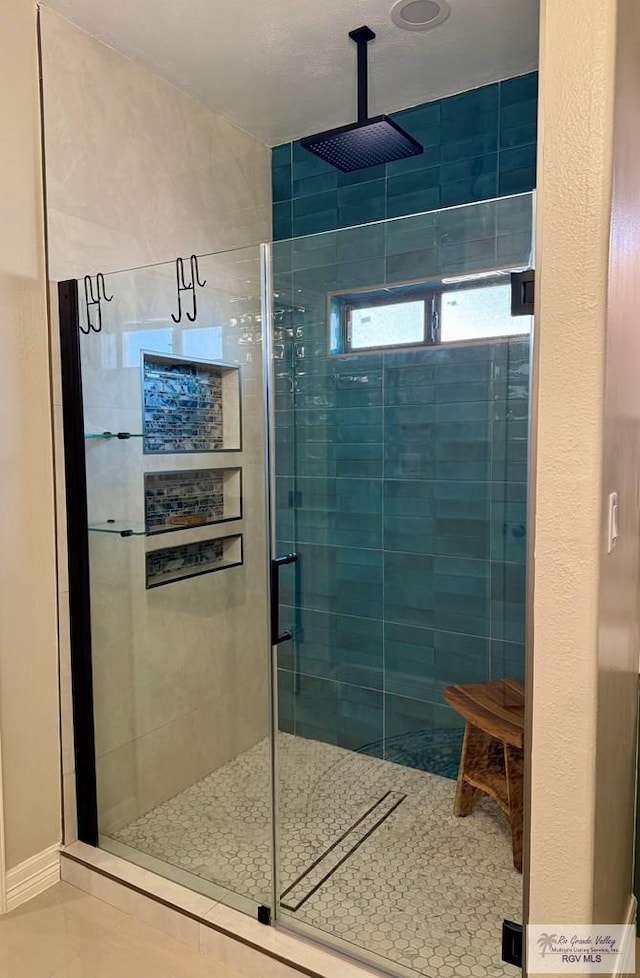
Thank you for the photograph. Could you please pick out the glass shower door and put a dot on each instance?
(400, 429)
(397, 456)
(174, 450)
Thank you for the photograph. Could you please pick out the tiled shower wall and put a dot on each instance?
(179, 671)
(402, 485)
(477, 145)
(159, 731)
(401, 476)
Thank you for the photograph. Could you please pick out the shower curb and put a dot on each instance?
(234, 938)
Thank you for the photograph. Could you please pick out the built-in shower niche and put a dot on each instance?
(191, 497)
(190, 405)
(170, 564)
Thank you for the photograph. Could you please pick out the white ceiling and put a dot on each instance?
(281, 69)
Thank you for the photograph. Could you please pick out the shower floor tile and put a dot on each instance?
(423, 889)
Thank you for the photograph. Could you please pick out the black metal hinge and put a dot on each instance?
(512, 943)
(523, 290)
(264, 914)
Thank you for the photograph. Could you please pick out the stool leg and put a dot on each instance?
(514, 765)
(473, 759)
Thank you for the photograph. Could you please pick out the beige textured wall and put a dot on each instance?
(28, 640)
(576, 94)
(620, 572)
(138, 172)
(584, 668)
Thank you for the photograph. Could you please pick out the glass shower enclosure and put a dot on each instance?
(296, 482)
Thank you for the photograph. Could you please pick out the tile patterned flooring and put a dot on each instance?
(64, 933)
(424, 889)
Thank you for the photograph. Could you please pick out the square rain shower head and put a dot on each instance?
(366, 143)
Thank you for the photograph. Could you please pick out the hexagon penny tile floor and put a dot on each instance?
(402, 876)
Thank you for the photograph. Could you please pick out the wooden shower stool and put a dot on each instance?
(492, 750)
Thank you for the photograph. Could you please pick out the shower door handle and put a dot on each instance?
(276, 635)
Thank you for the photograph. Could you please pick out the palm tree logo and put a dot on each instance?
(546, 942)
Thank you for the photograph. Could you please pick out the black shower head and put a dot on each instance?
(367, 142)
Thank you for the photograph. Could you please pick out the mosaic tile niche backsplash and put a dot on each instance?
(188, 498)
(183, 406)
(176, 563)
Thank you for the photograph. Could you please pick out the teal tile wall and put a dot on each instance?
(477, 145)
(410, 523)
(401, 476)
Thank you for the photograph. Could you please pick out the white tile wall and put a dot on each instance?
(137, 172)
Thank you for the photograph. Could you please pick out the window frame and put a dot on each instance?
(432, 296)
(430, 319)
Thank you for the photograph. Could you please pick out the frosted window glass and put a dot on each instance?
(393, 324)
(470, 314)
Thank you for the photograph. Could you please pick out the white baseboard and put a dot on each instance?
(33, 876)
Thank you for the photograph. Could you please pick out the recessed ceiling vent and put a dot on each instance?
(419, 15)
(367, 142)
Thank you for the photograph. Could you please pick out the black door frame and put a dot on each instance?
(78, 564)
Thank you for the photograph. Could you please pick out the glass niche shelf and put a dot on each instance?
(118, 435)
(121, 528)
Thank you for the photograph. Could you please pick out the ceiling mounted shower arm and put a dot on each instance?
(369, 141)
(362, 36)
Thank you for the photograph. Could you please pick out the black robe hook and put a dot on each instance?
(93, 299)
(183, 286)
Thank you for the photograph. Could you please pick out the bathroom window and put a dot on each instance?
(387, 323)
(478, 312)
(454, 312)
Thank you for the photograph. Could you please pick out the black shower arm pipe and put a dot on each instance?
(362, 36)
